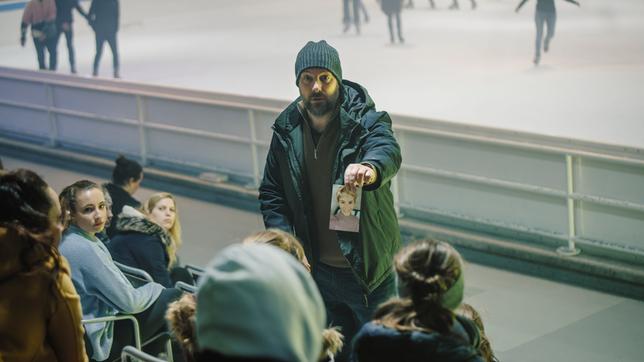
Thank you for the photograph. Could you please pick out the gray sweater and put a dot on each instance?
(102, 287)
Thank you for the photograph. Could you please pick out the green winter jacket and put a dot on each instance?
(365, 136)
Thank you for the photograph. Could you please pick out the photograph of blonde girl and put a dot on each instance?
(343, 217)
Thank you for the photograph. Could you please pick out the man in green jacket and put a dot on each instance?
(332, 134)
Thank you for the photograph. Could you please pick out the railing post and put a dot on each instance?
(570, 250)
(53, 124)
(253, 148)
(142, 116)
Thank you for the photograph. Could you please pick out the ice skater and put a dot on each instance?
(351, 10)
(64, 20)
(104, 19)
(392, 9)
(41, 16)
(545, 14)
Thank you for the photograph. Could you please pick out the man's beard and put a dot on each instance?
(320, 109)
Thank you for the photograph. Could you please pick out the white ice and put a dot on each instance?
(472, 67)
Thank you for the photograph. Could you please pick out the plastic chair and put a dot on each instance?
(129, 352)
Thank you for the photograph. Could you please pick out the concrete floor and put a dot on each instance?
(472, 67)
(527, 318)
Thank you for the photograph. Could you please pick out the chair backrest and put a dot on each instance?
(195, 271)
(136, 276)
(129, 352)
(183, 286)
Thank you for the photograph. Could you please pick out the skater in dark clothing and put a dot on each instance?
(351, 10)
(41, 15)
(545, 14)
(104, 19)
(392, 9)
(64, 19)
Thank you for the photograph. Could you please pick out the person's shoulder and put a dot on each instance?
(375, 342)
(74, 244)
(373, 329)
(131, 239)
(285, 119)
(72, 238)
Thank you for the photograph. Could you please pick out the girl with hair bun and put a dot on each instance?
(421, 325)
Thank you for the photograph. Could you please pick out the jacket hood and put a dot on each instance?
(356, 102)
(131, 220)
(279, 312)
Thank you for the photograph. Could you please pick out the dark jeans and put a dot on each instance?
(50, 45)
(351, 13)
(346, 303)
(110, 38)
(549, 19)
(390, 19)
(151, 323)
(69, 38)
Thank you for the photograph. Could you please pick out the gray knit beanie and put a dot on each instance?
(318, 55)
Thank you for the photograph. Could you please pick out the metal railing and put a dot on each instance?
(570, 191)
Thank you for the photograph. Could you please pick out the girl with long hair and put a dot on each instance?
(43, 319)
(149, 240)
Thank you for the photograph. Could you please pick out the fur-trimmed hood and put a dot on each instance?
(132, 220)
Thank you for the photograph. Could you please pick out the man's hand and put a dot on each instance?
(358, 175)
(65, 27)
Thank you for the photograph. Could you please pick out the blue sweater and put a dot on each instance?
(103, 289)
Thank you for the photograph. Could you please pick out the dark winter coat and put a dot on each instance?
(120, 198)
(142, 244)
(104, 16)
(64, 9)
(391, 6)
(375, 343)
(365, 136)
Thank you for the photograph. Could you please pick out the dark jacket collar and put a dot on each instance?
(356, 102)
(131, 220)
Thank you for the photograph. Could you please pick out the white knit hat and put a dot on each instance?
(259, 301)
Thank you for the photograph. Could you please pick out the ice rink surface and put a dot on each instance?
(471, 67)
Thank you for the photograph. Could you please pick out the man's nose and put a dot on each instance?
(317, 86)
